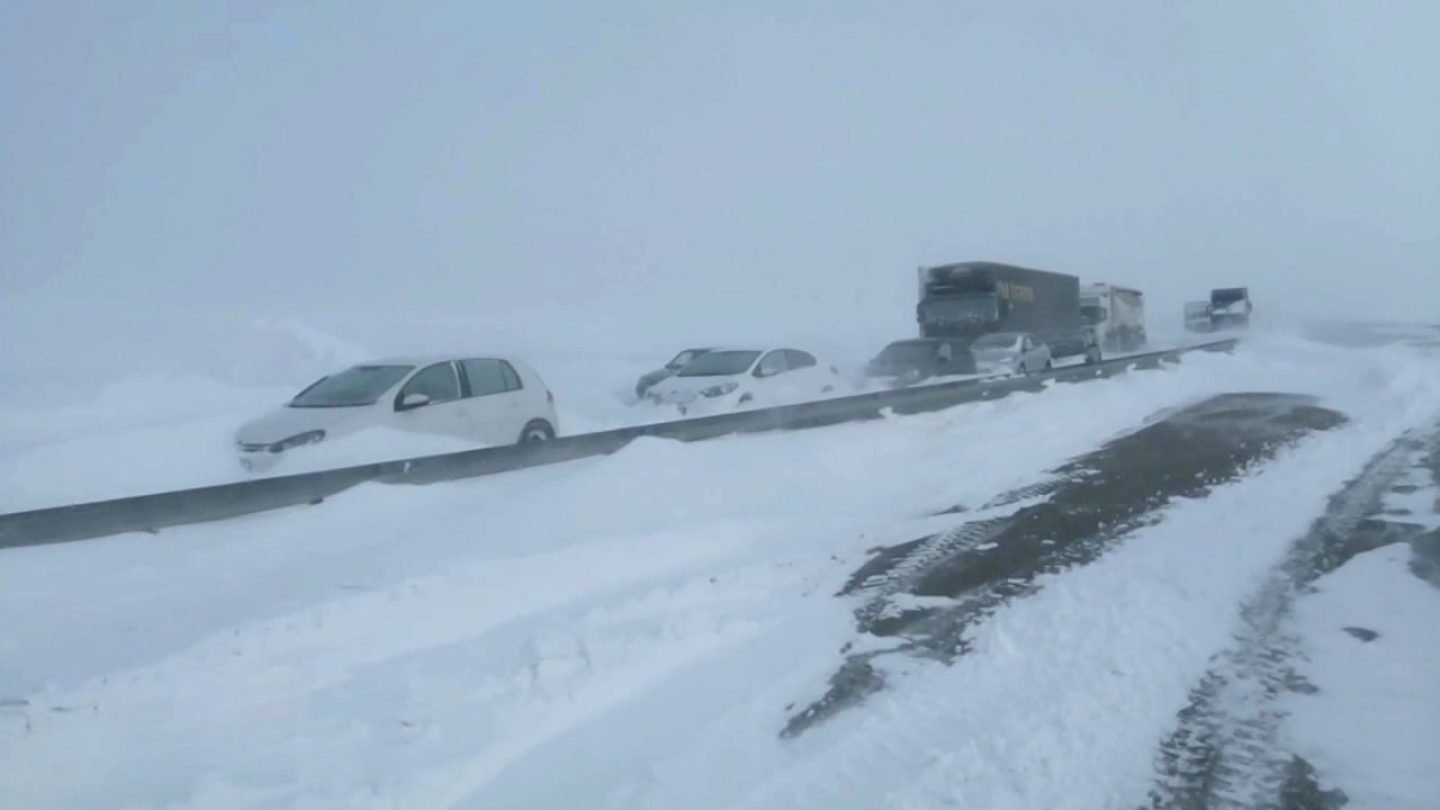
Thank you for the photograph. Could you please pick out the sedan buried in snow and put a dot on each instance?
(1010, 353)
(665, 372)
(728, 379)
(488, 400)
(906, 362)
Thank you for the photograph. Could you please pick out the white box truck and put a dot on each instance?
(1117, 313)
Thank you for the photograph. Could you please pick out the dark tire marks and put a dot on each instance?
(926, 593)
(1225, 750)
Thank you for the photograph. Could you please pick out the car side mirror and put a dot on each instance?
(410, 402)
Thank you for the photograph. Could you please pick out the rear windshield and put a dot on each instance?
(351, 388)
(719, 364)
(999, 340)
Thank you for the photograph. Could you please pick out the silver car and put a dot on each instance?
(1011, 353)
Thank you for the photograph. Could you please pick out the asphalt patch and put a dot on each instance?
(1071, 519)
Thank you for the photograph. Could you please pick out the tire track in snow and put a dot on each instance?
(927, 593)
(1224, 753)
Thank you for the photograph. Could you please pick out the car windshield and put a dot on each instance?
(683, 358)
(907, 353)
(351, 388)
(999, 340)
(719, 364)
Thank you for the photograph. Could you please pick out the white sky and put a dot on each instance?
(698, 164)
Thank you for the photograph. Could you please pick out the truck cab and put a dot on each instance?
(1117, 314)
(1230, 308)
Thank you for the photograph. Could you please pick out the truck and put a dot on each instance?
(1116, 313)
(1197, 317)
(971, 299)
(1230, 308)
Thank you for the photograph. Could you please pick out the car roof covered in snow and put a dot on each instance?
(427, 359)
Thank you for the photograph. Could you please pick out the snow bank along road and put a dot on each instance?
(1208, 586)
(152, 512)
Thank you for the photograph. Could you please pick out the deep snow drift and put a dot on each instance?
(634, 630)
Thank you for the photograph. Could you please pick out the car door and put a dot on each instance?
(770, 378)
(445, 412)
(808, 379)
(495, 403)
(1034, 354)
(1042, 354)
(960, 361)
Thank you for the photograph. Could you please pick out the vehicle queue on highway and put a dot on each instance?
(976, 319)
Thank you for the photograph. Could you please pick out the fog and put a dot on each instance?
(650, 174)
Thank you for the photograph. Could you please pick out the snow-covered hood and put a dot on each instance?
(285, 422)
(687, 389)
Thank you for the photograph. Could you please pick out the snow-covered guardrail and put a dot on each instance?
(150, 513)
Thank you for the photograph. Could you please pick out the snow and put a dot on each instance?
(155, 434)
(632, 630)
(1371, 729)
(159, 432)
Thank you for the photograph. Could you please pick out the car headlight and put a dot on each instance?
(298, 440)
(719, 390)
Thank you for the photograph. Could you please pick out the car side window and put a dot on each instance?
(771, 364)
(438, 382)
(488, 376)
(797, 359)
(512, 379)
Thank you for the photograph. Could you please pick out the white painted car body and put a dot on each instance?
(488, 400)
(724, 380)
(1010, 353)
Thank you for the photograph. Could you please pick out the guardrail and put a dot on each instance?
(150, 513)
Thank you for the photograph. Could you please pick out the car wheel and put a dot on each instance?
(537, 431)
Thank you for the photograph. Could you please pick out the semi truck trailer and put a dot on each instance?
(971, 299)
(1197, 317)
(1230, 308)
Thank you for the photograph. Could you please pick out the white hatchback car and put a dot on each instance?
(489, 400)
(729, 379)
(1011, 353)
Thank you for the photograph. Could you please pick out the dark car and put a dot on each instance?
(667, 371)
(906, 362)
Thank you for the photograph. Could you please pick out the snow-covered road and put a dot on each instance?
(635, 630)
